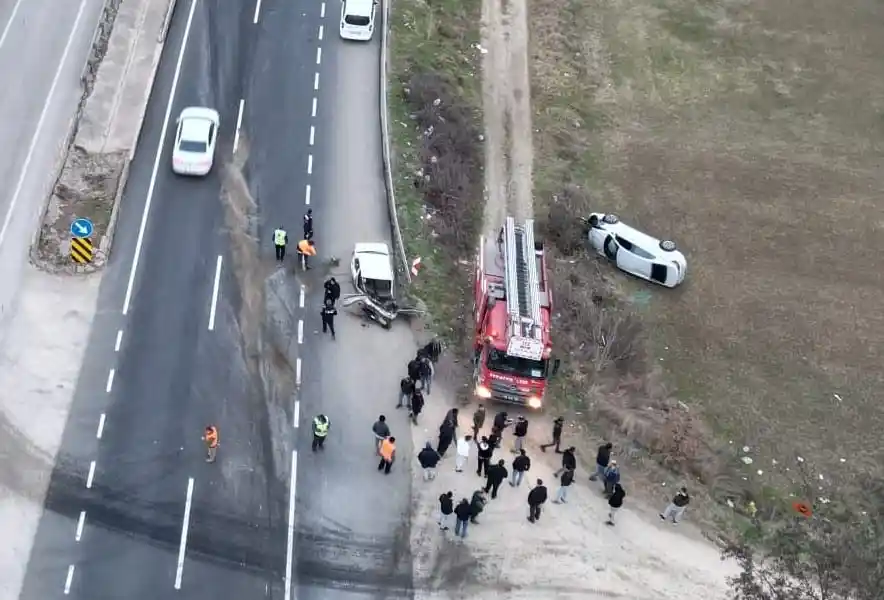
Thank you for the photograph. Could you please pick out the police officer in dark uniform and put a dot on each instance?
(308, 224)
(328, 317)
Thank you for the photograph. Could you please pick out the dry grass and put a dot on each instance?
(752, 133)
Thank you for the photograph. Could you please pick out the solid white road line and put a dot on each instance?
(214, 306)
(291, 538)
(257, 11)
(119, 341)
(185, 525)
(100, 431)
(321, 31)
(40, 122)
(313, 112)
(9, 22)
(300, 331)
(312, 134)
(318, 55)
(297, 418)
(242, 104)
(315, 81)
(80, 522)
(301, 297)
(156, 163)
(298, 372)
(68, 580)
(307, 195)
(110, 380)
(309, 164)
(91, 475)
(321, 10)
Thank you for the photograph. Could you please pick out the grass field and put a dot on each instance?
(752, 133)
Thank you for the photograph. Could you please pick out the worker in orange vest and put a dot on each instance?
(388, 454)
(211, 440)
(306, 248)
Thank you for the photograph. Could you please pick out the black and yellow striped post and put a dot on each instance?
(81, 250)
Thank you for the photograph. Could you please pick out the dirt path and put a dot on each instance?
(507, 108)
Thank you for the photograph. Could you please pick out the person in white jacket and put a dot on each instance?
(463, 452)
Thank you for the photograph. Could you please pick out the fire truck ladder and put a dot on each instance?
(522, 301)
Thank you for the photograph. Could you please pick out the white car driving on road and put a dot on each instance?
(635, 252)
(195, 138)
(357, 19)
(372, 270)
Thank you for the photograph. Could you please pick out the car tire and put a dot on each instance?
(668, 246)
(611, 219)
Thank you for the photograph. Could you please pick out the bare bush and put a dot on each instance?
(561, 226)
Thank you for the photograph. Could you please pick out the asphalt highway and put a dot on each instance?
(133, 510)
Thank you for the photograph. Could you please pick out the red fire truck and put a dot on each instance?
(512, 315)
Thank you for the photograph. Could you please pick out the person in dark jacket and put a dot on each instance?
(446, 436)
(495, 475)
(536, 498)
(569, 461)
(676, 508)
(602, 459)
(432, 350)
(446, 508)
(463, 512)
(565, 481)
(612, 477)
(406, 389)
(451, 418)
(332, 290)
(425, 369)
(328, 314)
(521, 465)
(478, 421)
(381, 431)
(520, 431)
(477, 505)
(486, 451)
(417, 405)
(414, 370)
(558, 424)
(501, 421)
(615, 501)
(428, 458)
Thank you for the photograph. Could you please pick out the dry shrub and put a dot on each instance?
(450, 175)
(561, 226)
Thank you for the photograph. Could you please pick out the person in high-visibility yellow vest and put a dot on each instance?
(321, 425)
(306, 249)
(280, 239)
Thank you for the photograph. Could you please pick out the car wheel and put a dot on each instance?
(611, 219)
(667, 246)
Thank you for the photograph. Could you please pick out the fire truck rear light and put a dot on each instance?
(534, 402)
(482, 391)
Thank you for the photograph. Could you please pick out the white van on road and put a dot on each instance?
(357, 19)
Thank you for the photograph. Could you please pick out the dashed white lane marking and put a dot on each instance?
(291, 525)
(119, 341)
(68, 580)
(301, 297)
(185, 526)
(321, 31)
(312, 134)
(309, 164)
(100, 431)
(80, 523)
(315, 81)
(110, 380)
(214, 306)
(9, 22)
(139, 242)
(322, 11)
(307, 195)
(50, 98)
(298, 372)
(318, 56)
(297, 418)
(300, 331)
(257, 16)
(313, 112)
(242, 104)
(91, 475)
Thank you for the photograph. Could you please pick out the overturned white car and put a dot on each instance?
(635, 252)
(372, 270)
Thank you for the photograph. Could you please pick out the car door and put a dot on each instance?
(611, 248)
(631, 259)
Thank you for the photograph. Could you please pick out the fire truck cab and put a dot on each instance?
(513, 305)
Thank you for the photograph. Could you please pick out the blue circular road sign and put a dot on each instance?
(82, 228)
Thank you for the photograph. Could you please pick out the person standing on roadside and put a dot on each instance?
(332, 290)
(446, 508)
(280, 239)
(308, 224)
(495, 475)
(426, 371)
(211, 439)
(328, 313)
(463, 452)
(501, 422)
(615, 502)
(417, 405)
(477, 505)
(446, 436)
(676, 508)
(612, 477)
(463, 513)
(602, 460)
(558, 424)
(414, 370)
(428, 459)
(486, 451)
(388, 455)
(565, 481)
(306, 249)
(536, 498)
(381, 431)
(569, 461)
(451, 417)
(519, 432)
(521, 465)
(321, 425)
(406, 389)
(478, 420)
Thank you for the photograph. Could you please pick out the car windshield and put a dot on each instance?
(192, 146)
(378, 288)
(498, 360)
(358, 20)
